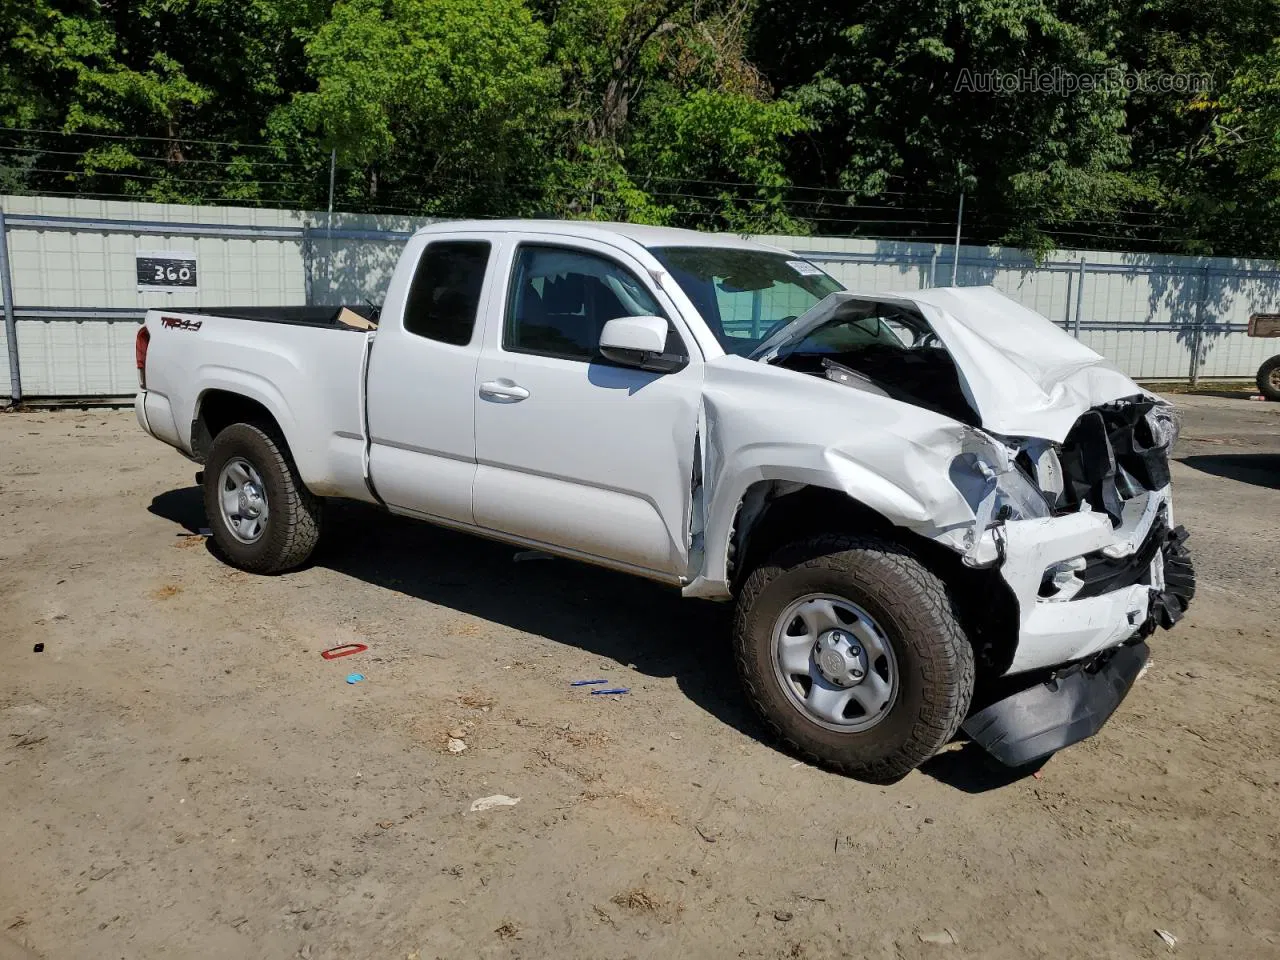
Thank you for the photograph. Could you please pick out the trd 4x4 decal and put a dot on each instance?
(179, 323)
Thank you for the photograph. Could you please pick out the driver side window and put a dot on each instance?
(561, 298)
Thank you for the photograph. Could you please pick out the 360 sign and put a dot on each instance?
(166, 270)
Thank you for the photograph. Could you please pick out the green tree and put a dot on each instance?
(1205, 151)
(790, 115)
(147, 82)
(444, 101)
(896, 92)
(665, 119)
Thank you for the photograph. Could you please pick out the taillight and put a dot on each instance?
(140, 355)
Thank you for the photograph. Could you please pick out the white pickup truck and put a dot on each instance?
(931, 508)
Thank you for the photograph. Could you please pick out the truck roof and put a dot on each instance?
(643, 234)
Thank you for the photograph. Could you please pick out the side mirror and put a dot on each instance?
(639, 342)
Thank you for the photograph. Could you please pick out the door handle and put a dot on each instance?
(503, 391)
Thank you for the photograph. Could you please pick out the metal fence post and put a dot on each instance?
(1075, 327)
(1197, 332)
(933, 267)
(307, 265)
(10, 324)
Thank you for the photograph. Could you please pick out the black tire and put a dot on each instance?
(935, 659)
(292, 528)
(1269, 378)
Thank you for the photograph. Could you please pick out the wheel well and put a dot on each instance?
(783, 517)
(773, 514)
(219, 409)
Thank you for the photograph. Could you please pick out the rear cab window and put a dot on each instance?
(444, 297)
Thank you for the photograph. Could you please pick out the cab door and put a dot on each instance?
(422, 374)
(573, 450)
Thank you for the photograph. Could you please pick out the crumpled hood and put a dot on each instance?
(1021, 373)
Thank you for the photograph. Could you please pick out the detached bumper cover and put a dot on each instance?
(1045, 718)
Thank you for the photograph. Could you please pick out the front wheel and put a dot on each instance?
(850, 650)
(262, 517)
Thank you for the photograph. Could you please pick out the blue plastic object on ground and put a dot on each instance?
(354, 677)
(601, 693)
(585, 683)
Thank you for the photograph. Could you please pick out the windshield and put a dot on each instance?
(745, 296)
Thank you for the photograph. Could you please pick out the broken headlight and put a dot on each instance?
(996, 491)
(1165, 426)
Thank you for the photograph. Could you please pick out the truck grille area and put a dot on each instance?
(1177, 586)
(1102, 574)
(1111, 454)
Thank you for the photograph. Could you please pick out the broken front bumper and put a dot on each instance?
(1083, 586)
(1065, 709)
(1088, 596)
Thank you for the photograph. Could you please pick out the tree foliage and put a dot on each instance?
(789, 116)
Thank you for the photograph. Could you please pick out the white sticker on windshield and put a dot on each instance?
(804, 268)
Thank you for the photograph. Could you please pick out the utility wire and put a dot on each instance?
(142, 176)
(125, 136)
(221, 163)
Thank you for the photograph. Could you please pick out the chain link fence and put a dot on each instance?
(73, 293)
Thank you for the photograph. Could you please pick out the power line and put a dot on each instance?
(637, 176)
(426, 179)
(274, 203)
(221, 163)
(124, 136)
(142, 176)
(429, 180)
(278, 203)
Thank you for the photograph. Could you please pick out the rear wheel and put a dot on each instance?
(262, 517)
(850, 650)
(1269, 379)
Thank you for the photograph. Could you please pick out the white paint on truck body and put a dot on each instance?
(597, 461)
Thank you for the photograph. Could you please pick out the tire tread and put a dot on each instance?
(1264, 378)
(292, 540)
(949, 675)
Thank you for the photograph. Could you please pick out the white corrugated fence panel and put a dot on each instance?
(1139, 310)
(89, 358)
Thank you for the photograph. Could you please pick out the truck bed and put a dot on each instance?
(283, 358)
(320, 316)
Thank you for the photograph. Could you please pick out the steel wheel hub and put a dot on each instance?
(251, 501)
(840, 658)
(835, 663)
(243, 499)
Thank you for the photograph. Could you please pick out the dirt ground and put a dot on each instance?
(182, 775)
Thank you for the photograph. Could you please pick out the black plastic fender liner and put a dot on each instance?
(1046, 717)
(1168, 606)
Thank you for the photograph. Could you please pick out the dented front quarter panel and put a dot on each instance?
(765, 423)
(766, 428)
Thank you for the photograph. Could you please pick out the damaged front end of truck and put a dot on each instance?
(994, 438)
(1092, 578)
